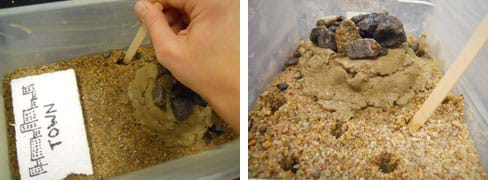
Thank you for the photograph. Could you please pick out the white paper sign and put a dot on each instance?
(49, 127)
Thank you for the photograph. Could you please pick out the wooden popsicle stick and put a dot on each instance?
(456, 70)
(138, 38)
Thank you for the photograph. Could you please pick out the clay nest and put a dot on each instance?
(166, 107)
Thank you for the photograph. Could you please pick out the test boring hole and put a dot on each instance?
(387, 162)
(120, 61)
(275, 102)
(337, 130)
(289, 163)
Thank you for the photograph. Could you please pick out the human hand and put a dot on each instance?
(198, 41)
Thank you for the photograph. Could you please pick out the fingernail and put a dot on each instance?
(140, 8)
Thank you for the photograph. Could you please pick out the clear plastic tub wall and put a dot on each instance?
(276, 26)
(51, 32)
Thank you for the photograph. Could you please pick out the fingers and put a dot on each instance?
(178, 26)
(172, 15)
(164, 39)
(184, 5)
(176, 20)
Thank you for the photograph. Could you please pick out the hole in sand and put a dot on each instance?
(337, 130)
(288, 164)
(386, 162)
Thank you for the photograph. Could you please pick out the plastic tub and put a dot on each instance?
(276, 26)
(51, 32)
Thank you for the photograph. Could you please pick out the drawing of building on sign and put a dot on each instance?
(36, 149)
(37, 169)
(28, 89)
(30, 124)
(36, 155)
(30, 119)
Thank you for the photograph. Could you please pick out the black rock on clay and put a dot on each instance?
(216, 129)
(385, 29)
(159, 97)
(197, 99)
(390, 32)
(315, 33)
(327, 40)
(367, 23)
(183, 100)
(282, 86)
(181, 107)
(323, 37)
(363, 48)
(179, 90)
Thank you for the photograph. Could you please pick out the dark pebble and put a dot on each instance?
(262, 129)
(291, 61)
(282, 86)
(297, 54)
(216, 129)
(159, 97)
(181, 107)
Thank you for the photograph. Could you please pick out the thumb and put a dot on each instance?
(164, 40)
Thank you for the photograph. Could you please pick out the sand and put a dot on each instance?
(118, 143)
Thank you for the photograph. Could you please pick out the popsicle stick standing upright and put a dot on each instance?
(456, 70)
(138, 38)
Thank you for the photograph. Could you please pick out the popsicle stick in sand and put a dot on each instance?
(456, 70)
(138, 38)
